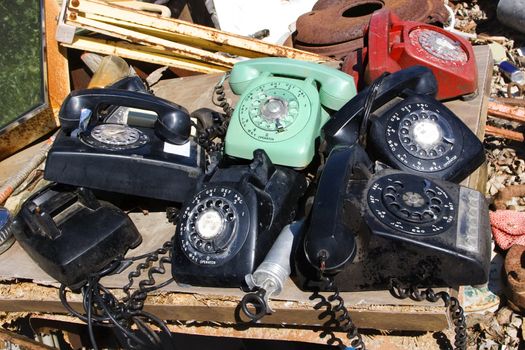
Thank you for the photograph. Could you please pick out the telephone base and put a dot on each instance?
(147, 171)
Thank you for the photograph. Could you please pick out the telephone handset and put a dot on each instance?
(412, 132)
(283, 105)
(149, 157)
(172, 122)
(343, 127)
(327, 243)
(228, 226)
(415, 229)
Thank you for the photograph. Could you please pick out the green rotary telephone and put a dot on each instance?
(283, 105)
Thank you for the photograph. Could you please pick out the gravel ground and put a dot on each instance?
(502, 329)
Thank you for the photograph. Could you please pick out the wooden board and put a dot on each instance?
(377, 309)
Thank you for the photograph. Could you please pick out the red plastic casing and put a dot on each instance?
(390, 49)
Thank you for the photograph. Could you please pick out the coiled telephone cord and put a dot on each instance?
(452, 303)
(125, 316)
(206, 136)
(219, 96)
(339, 317)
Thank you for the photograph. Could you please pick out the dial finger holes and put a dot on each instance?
(436, 201)
(414, 117)
(404, 131)
(218, 203)
(416, 216)
(209, 203)
(390, 197)
(398, 185)
(428, 215)
(230, 217)
(200, 208)
(407, 123)
(405, 213)
(390, 190)
(406, 140)
(394, 206)
(430, 193)
(435, 209)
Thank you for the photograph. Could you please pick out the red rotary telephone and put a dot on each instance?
(394, 44)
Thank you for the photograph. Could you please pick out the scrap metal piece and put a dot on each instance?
(515, 277)
(336, 27)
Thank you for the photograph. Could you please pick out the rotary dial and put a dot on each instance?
(270, 111)
(422, 138)
(209, 225)
(115, 137)
(439, 45)
(411, 203)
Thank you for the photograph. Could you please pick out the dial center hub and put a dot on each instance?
(210, 224)
(427, 133)
(274, 108)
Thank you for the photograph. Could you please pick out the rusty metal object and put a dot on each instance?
(336, 27)
(507, 134)
(503, 111)
(515, 277)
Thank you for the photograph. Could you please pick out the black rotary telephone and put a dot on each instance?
(393, 224)
(147, 153)
(409, 129)
(228, 226)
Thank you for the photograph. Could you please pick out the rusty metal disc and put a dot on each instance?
(336, 27)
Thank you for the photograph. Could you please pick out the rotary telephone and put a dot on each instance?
(147, 154)
(230, 223)
(407, 128)
(394, 44)
(392, 224)
(283, 105)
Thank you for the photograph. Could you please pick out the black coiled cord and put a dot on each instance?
(125, 316)
(219, 96)
(207, 135)
(338, 317)
(452, 303)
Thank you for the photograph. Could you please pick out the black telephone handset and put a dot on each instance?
(410, 130)
(400, 226)
(343, 127)
(172, 122)
(327, 245)
(150, 157)
(228, 226)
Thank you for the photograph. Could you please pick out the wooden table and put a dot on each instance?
(37, 292)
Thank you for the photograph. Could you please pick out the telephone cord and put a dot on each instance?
(452, 303)
(103, 308)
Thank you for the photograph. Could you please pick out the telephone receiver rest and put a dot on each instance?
(336, 87)
(173, 121)
(343, 127)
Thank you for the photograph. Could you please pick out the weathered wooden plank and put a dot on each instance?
(225, 40)
(145, 39)
(140, 53)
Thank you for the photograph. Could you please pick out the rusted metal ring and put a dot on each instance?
(515, 275)
(512, 84)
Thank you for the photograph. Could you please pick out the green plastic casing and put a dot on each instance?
(311, 91)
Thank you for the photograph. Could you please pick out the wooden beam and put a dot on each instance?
(145, 39)
(224, 39)
(21, 341)
(183, 39)
(139, 53)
